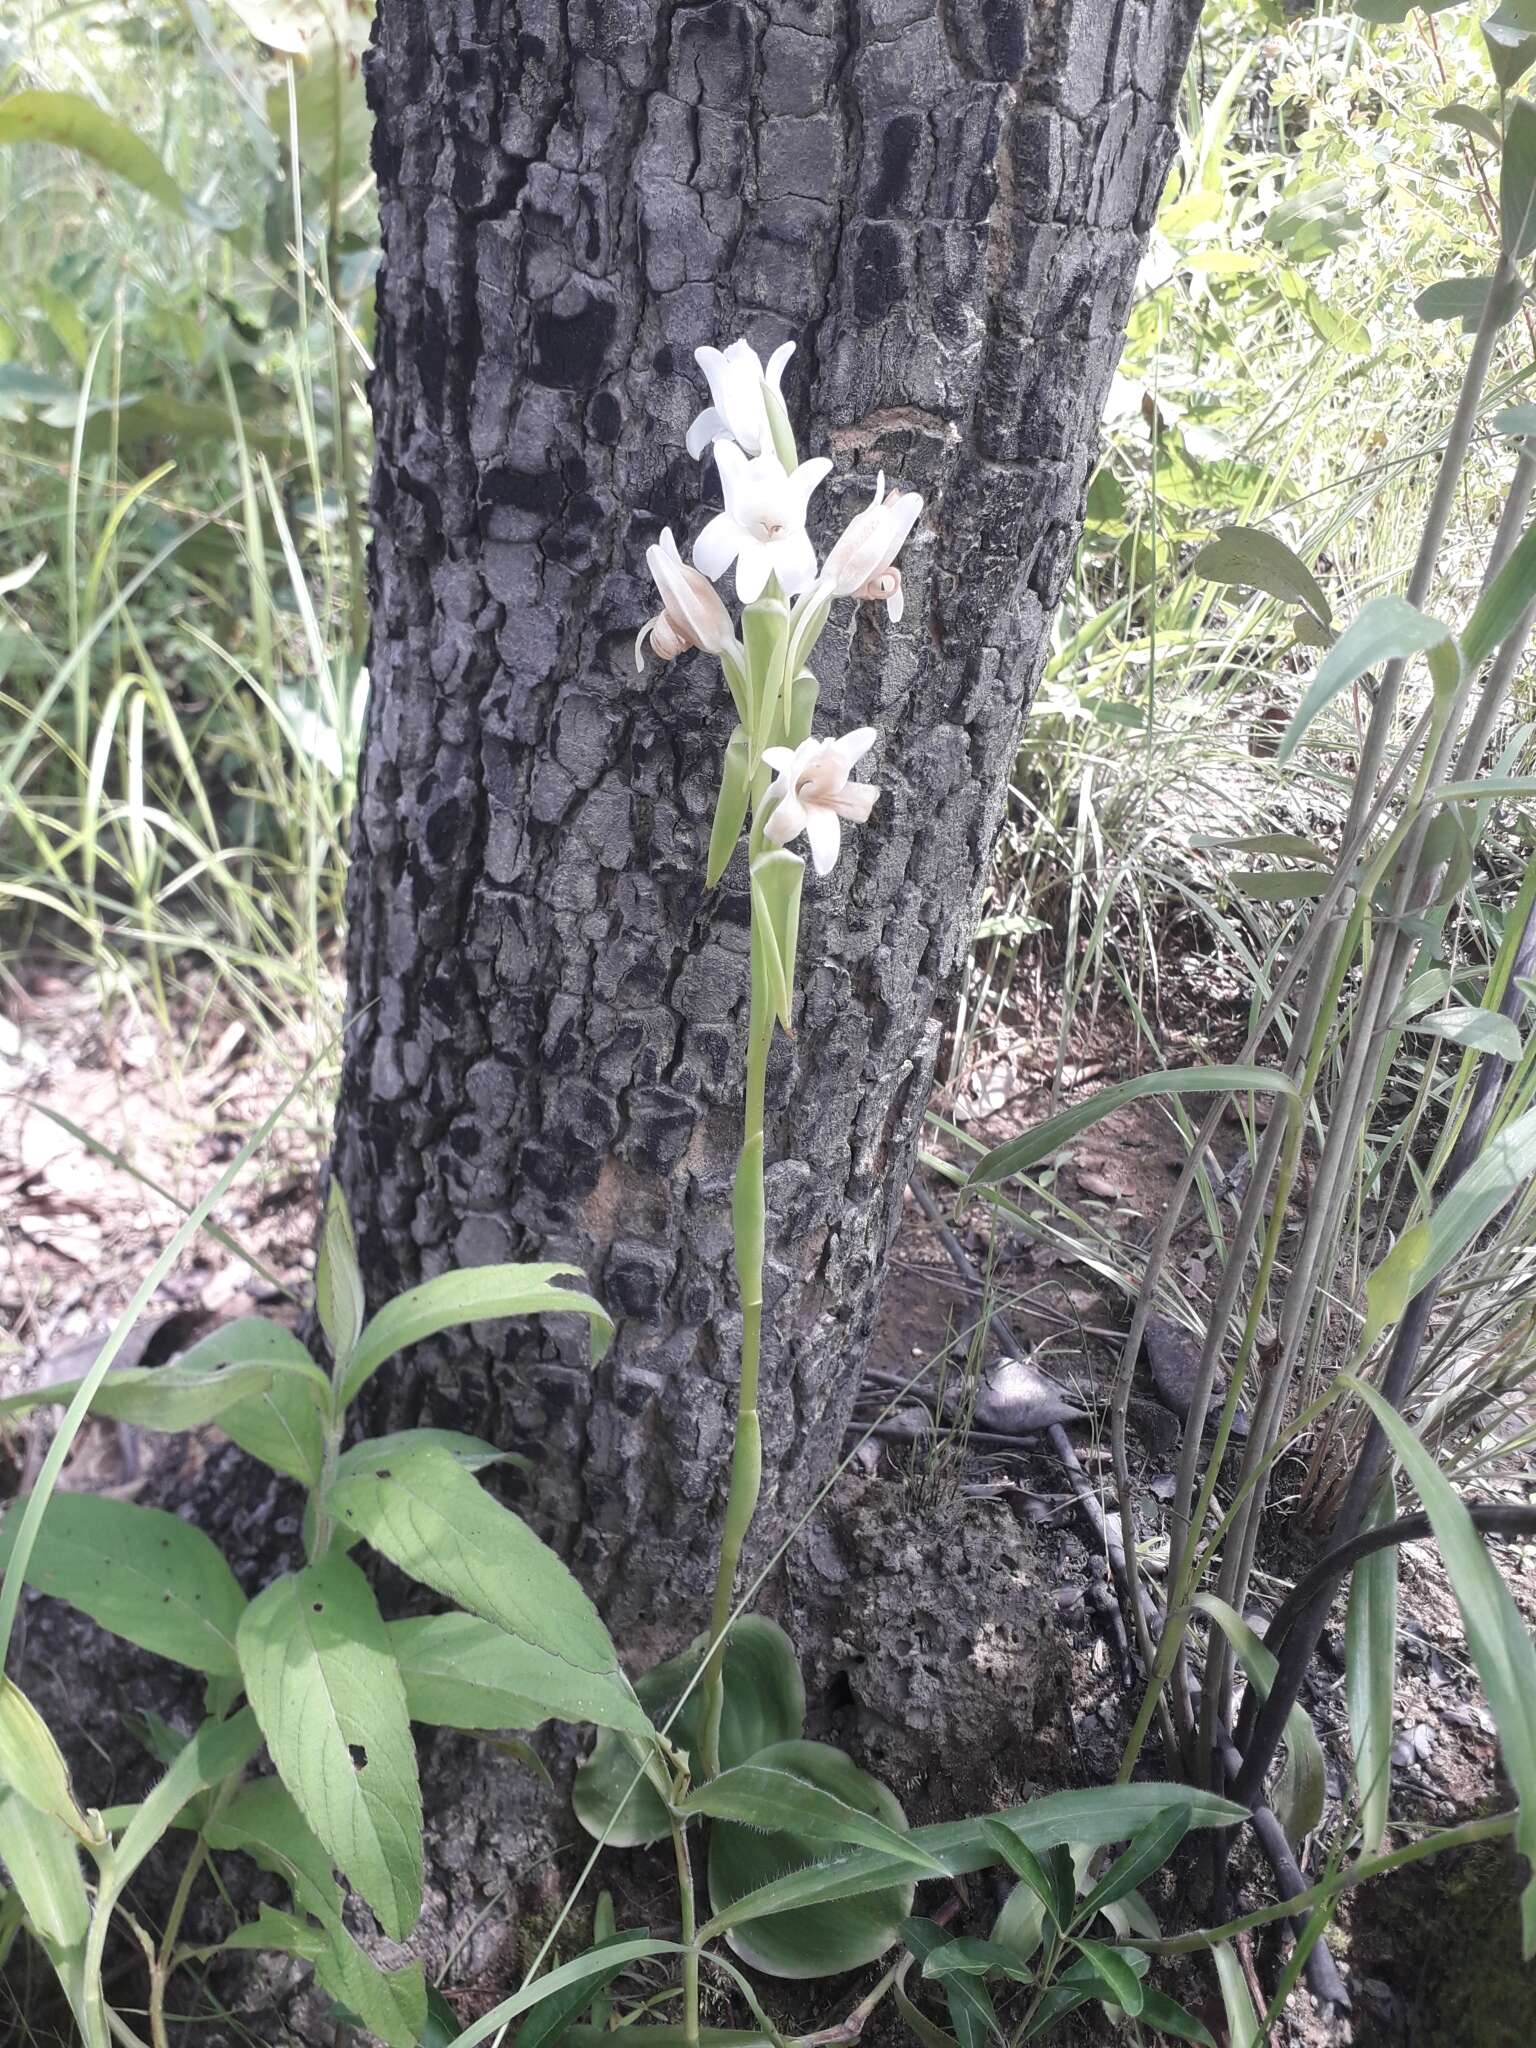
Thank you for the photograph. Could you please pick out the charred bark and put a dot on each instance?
(944, 205)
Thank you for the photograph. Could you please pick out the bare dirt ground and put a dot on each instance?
(1428, 1953)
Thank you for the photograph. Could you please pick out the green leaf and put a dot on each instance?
(1511, 45)
(462, 1672)
(338, 1283)
(1506, 1162)
(730, 806)
(390, 2003)
(432, 1518)
(32, 1763)
(1148, 1851)
(219, 1750)
(1502, 605)
(43, 1863)
(1386, 629)
(1243, 2027)
(1248, 558)
(472, 1452)
(477, 1294)
(1313, 218)
(1303, 1783)
(1370, 1675)
(1459, 115)
(1515, 420)
(1517, 180)
(1482, 1030)
(1463, 299)
(71, 121)
(321, 1678)
(1018, 1155)
(284, 1427)
(971, 2010)
(826, 1941)
(1088, 1820)
(759, 1795)
(138, 1571)
(263, 1822)
(777, 878)
(1497, 1637)
(763, 627)
(764, 1704)
(1169, 2017)
(617, 1954)
(230, 1365)
(1052, 1882)
(292, 27)
(1399, 10)
(968, 1957)
(1290, 885)
(1119, 1982)
(550, 2022)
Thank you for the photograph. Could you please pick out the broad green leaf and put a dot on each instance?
(1290, 885)
(1517, 180)
(1423, 1252)
(1502, 605)
(1165, 2014)
(231, 1364)
(43, 1862)
(1497, 1636)
(329, 109)
(1511, 45)
(138, 1571)
(1248, 558)
(472, 1452)
(263, 1822)
(1432, 986)
(1303, 1783)
(1515, 421)
(476, 1294)
(1018, 1155)
(1118, 1980)
(324, 1685)
(777, 878)
(1399, 10)
(759, 1795)
(1459, 115)
(971, 2011)
(71, 121)
(462, 1672)
(338, 1283)
(1370, 1676)
(730, 807)
(1148, 1851)
(430, 1516)
(967, 1957)
(1385, 629)
(1313, 218)
(390, 2003)
(764, 1704)
(1089, 1819)
(284, 1427)
(830, 1939)
(32, 1763)
(617, 1954)
(1482, 1030)
(1463, 299)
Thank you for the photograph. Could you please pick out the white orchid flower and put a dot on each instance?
(691, 615)
(740, 412)
(762, 529)
(811, 793)
(862, 561)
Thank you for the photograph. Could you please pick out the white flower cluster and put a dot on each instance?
(762, 530)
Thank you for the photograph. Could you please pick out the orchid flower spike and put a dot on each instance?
(811, 793)
(736, 380)
(861, 563)
(691, 615)
(762, 529)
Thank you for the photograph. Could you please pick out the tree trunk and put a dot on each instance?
(943, 203)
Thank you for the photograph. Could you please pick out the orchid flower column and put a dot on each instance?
(792, 783)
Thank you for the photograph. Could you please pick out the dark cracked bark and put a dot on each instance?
(944, 206)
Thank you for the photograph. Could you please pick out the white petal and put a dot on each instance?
(735, 477)
(718, 545)
(640, 639)
(754, 565)
(853, 746)
(794, 559)
(780, 759)
(807, 477)
(786, 821)
(825, 835)
(712, 363)
(776, 362)
(709, 426)
(896, 604)
(855, 801)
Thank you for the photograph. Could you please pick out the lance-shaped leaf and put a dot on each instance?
(230, 1365)
(596, 1964)
(1019, 1154)
(325, 1688)
(1370, 1675)
(1303, 1782)
(42, 1859)
(71, 121)
(768, 1796)
(1119, 1979)
(1517, 180)
(1148, 1851)
(777, 879)
(1497, 1636)
(475, 1294)
(971, 2010)
(1504, 603)
(338, 1283)
(428, 1515)
(1250, 559)
(1386, 629)
(764, 1703)
(462, 1672)
(1482, 1030)
(764, 627)
(730, 806)
(138, 1571)
(819, 1943)
(32, 1763)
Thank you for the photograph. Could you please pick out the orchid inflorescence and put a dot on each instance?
(786, 598)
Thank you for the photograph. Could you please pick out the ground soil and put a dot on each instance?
(957, 1628)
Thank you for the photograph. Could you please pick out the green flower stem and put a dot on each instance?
(690, 1930)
